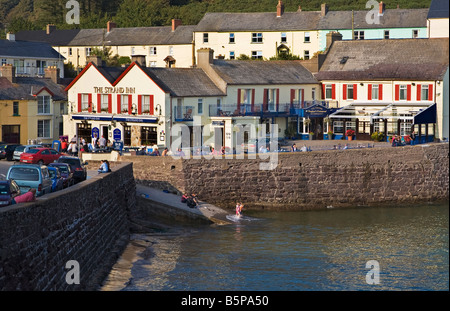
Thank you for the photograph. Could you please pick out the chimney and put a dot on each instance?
(331, 37)
(110, 26)
(323, 9)
(280, 8)
(10, 37)
(175, 23)
(381, 8)
(140, 59)
(52, 72)
(8, 71)
(205, 57)
(97, 60)
(50, 28)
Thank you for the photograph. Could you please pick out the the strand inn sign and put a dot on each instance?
(114, 90)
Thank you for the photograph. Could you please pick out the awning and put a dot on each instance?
(118, 118)
(417, 112)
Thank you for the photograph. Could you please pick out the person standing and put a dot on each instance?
(102, 142)
(413, 138)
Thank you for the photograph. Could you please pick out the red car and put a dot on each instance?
(40, 156)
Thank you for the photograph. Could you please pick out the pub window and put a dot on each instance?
(402, 93)
(205, 37)
(88, 51)
(149, 135)
(349, 91)
(338, 127)
(350, 125)
(231, 38)
(84, 102)
(257, 37)
(124, 103)
(70, 51)
(329, 91)
(152, 50)
(375, 91)
(15, 108)
(145, 103)
(104, 104)
(424, 92)
(127, 135)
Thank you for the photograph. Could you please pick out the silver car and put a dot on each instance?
(21, 149)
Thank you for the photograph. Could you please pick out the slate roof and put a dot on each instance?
(438, 9)
(26, 88)
(28, 49)
(253, 72)
(309, 20)
(262, 21)
(183, 82)
(391, 18)
(116, 37)
(400, 59)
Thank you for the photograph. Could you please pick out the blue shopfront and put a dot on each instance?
(313, 121)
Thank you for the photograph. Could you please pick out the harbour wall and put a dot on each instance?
(87, 223)
(307, 180)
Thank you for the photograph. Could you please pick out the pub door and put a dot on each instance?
(317, 128)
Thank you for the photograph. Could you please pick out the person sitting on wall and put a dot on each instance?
(29, 196)
(141, 152)
(104, 167)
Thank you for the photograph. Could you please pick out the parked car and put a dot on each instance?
(7, 150)
(21, 149)
(78, 167)
(254, 145)
(8, 191)
(42, 156)
(29, 176)
(55, 175)
(66, 173)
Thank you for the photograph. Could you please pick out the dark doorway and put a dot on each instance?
(11, 134)
(317, 128)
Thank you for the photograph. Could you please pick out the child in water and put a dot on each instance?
(239, 207)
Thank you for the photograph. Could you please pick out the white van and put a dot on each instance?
(21, 149)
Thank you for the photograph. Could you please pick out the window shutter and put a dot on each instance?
(265, 100)
(323, 91)
(344, 91)
(292, 97)
(239, 100)
(278, 99)
(303, 97)
(380, 91)
(79, 102)
(397, 92)
(109, 103)
(419, 92)
(369, 92)
(408, 92)
(90, 102)
(430, 92)
(130, 103)
(139, 104)
(152, 107)
(119, 108)
(355, 93)
(333, 91)
(99, 103)
(253, 101)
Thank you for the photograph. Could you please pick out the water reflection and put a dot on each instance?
(314, 250)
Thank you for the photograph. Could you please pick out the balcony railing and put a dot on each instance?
(266, 110)
(185, 113)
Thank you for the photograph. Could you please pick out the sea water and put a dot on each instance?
(324, 250)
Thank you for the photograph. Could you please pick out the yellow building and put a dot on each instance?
(31, 109)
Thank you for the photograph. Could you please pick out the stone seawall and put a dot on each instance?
(318, 179)
(87, 223)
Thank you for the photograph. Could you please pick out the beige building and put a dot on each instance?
(438, 19)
